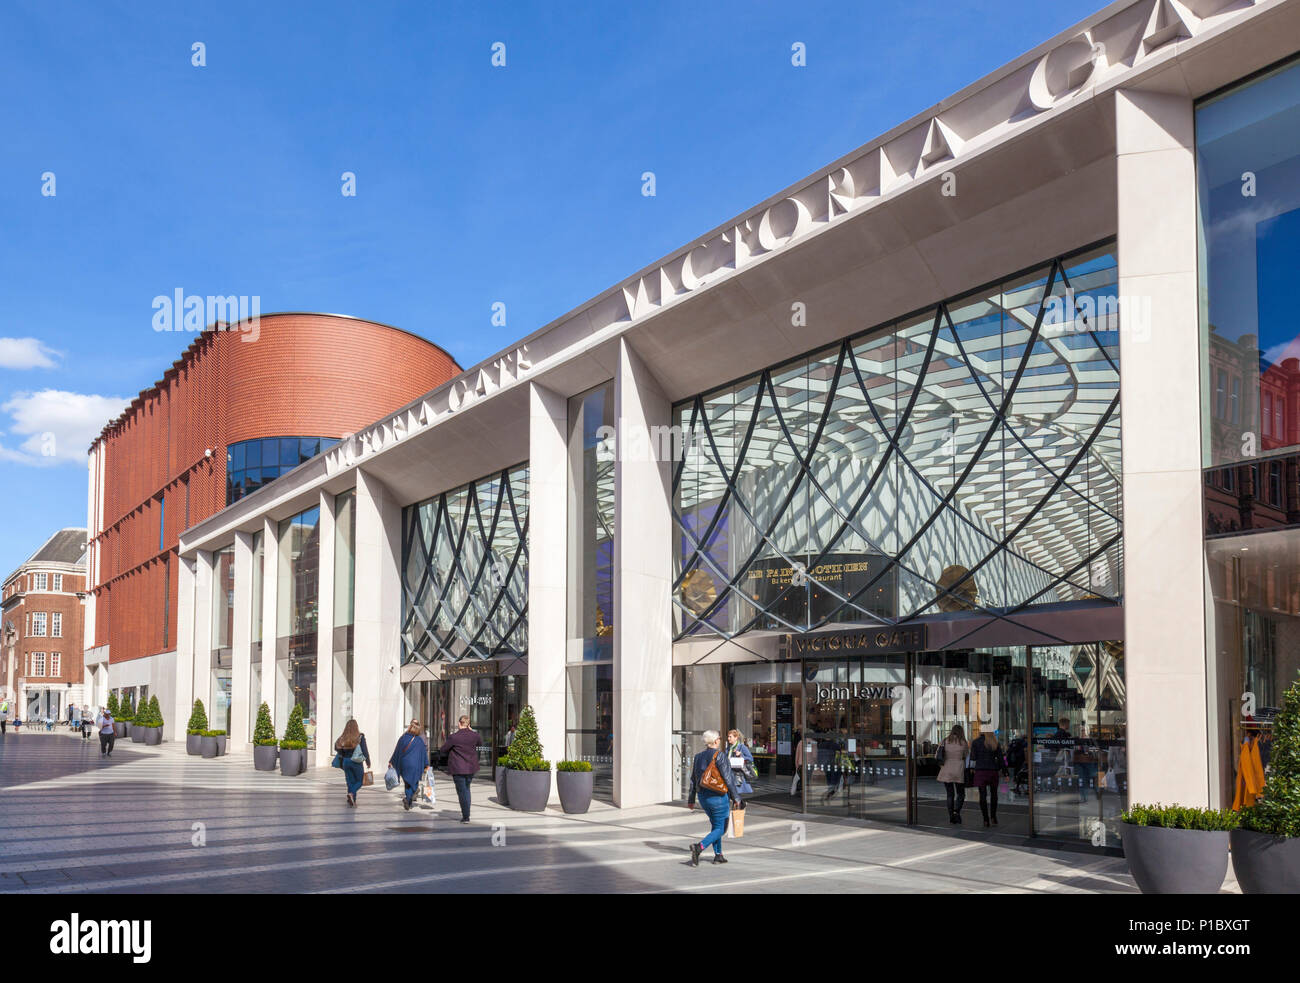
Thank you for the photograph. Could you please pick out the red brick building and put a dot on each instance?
(196, 440)
(41, 630)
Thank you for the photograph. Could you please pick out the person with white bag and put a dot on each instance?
(352, 755)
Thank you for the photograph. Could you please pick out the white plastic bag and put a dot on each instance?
(427, 788)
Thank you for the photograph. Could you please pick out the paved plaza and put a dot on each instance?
(156, 820)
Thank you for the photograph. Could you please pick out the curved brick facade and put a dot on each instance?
(317, 375)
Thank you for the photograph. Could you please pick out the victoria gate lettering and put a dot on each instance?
(866, 641)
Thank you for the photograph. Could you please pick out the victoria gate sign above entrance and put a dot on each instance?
(864, 641)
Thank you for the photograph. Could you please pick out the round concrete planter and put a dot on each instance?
(152, 735)
(575, 790)
(208, 747)
(292, 761)
(264, 757)
(193, 743)
(528, 790)
(119, 729)
(136, 733)
(502, 798)
(221, 745)
(1176, 861)
(1266, 864)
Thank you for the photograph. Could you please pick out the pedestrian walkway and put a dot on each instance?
(157, 820)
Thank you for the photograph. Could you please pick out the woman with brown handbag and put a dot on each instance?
(715, 784)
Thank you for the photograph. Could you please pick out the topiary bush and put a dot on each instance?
(573, 766)
(155, 713)
(112, 706)
(525, 752)
(295, 734)
(1277, 810)
(1180, 817)
(126, 712)
(198, 719)
(264, 730)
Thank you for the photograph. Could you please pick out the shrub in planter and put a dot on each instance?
(1177, 849)
(502, 764)
(220, 735)
(208, 746)
(528, 774)
(1266, 846)
(153, 727)
(293, 746)
(195, 728)
(573, 779)
(264, 742)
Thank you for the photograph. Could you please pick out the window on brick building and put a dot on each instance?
(58, 582)
(38, 663)
(38, 623)
(40, 581)
(55, 663)
(56, 624)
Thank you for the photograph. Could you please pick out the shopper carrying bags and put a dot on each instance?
(952, 770)
(713, 781)
(410, 758)
(353, 757)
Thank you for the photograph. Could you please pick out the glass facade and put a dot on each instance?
(1248, 176)
(465, 572)
(966, 459)
(589, 714)
(255, 664)
(345, 564)
(250, 464)
(223, 622)
(297, 594)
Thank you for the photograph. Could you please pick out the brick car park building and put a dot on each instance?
(41, 629)
(900, 467)
(235, 411)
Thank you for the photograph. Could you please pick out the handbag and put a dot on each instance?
(712, 778)
(337, 762)
(390, 778)
(357, 754)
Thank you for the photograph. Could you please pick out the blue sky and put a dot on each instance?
(475, 184)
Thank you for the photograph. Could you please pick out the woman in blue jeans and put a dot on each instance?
(716, 804)
(353, 770)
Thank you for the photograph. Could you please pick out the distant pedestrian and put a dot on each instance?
(4, 718)
(952, 755)
(85, 723)
(741, 759)
(988, 760)
(410, 758)
(106, 734)
(461, 750)
(714, 782)
(351, 748)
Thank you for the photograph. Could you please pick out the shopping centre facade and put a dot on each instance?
(993, 421)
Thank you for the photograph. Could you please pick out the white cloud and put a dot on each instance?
(58, 426)
(26, 353)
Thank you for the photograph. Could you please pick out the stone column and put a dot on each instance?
(377, 688)
(1160, 380)
(326, 730)
(201, 660)
(182, 701)
(547, 566)
(643, 560)
(241, 643)
(270, 600)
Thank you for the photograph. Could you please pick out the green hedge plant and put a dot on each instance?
(212, 733)
(1277, 810)
(125, 712)
(111, 706)
(525, 751)
(1180, 817)
(264, 731)
(573, 766)
(155, 713)
(198, 720)
(295, 734)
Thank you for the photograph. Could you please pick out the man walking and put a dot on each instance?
(4, 717)
(462, 761)
(105, 722)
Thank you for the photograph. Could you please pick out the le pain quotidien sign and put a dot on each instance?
(855, 641)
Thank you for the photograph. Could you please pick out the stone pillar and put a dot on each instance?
(182, 701)
(547, 566)
(377, 688)
(643, 561)
(241, 643)
(201, 661)
(1160, 381)
(326, 730)
(270, 600)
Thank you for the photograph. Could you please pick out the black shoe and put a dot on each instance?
(952, 817)
(719, 859)
(986, 824)
(695, 854)
(465, 820)
(406, 804)
(995, 820)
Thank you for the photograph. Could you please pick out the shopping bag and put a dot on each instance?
(368, 778)
(427, 789)
(736, 828)
(390, 778)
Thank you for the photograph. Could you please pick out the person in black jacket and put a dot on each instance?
(353, 770)
(988, 761)
(716, 804)
(461, 750)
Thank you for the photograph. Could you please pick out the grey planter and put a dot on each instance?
(221, 745)
(502, 798)
(193, 743)
(119, 730)
(528, 790)
(152, 735)
(1266, 864)
(575, 790)
(1176, 861)
(136, 733)
(292, 761)
(208, 747)
(264, 757)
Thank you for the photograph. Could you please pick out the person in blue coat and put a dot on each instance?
(717, 805)
(741, 759)
(410, 758)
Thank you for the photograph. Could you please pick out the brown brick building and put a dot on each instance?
(237, 409)
(41, 630)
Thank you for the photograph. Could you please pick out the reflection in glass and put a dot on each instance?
(223, 620)
(297, 594)
(591, 525)
(253, 463)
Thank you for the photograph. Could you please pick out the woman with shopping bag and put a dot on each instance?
(713, 781)
(352, 755)
(409, 760)
(741, 759)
